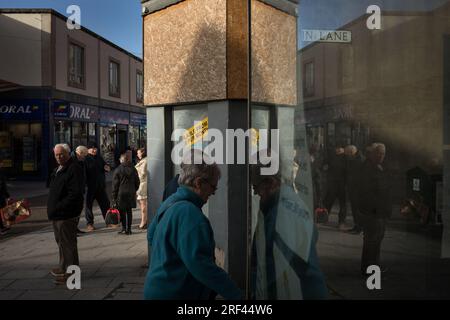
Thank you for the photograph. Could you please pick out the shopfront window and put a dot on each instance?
(108, 146)
(133, 134)
(92, 132)
(143, 137)
(80, 134)
(63, 132)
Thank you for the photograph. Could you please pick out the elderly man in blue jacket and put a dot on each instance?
(182, 259)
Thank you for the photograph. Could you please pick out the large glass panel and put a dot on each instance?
(358, 94)
(192, 121)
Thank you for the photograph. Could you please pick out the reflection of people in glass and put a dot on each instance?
(374, 204)
(284, 259)
(335, 168)
(354, 163)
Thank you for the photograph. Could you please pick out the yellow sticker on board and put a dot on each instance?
(196, 133)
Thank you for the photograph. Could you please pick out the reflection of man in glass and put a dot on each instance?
(374, 205)
(284, 259)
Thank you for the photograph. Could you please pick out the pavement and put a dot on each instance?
(111, 264)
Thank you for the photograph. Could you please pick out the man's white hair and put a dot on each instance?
(64, 146)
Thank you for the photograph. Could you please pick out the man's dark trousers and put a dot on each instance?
(336, 189)
(102, 199)
(374, 229)
(66, 237)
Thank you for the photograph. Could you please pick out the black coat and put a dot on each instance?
(95, 172)
(354, 165)
(336, 172)
(125, 184)
(65, 197)
(171, 187)
(374, 191)
(3, 191)
(82, 164)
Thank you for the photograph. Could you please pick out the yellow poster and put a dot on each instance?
(196, 132)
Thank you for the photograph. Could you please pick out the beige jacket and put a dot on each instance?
(141, 168)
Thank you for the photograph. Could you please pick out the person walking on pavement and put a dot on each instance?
(125, 185)
(335, 168)
(182, 242)
(141, 168)
(353, 172)
(4, 197)
(374, 205)
(79, 156)
(64, 206)
(96, 168)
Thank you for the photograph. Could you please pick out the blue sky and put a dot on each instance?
(119, 21)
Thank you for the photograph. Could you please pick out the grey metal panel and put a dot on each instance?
(156, 159)
(150, 6)
(289, 7)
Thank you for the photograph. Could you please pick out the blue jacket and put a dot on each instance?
(182, 263)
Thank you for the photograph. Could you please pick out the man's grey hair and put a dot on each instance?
(64, 146)
(195, 165)
(82, 150)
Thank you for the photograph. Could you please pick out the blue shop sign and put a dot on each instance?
(137, 119)
(75, 111)
(22, 109)
(109, 116)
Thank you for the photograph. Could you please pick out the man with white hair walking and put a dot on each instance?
(182, 259)
(64, 206)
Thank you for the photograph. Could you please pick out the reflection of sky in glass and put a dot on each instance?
(332, 14)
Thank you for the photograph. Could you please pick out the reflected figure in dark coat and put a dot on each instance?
(335, 168)
(353, 173)
(374, 204)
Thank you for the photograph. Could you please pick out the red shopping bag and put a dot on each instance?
(15, 212)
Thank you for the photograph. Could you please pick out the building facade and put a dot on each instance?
(64, 86)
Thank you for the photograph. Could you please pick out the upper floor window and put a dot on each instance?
(76, 66)
(114, 78)
(139, 86)
(308, 80)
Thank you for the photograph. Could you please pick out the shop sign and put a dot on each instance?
(137, 119)
(22, 110)
(108, 116)
(75, 111)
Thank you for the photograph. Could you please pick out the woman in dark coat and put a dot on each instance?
(125, 185)
(4, 196)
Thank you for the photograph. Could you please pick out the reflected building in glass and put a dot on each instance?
(324, 74)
